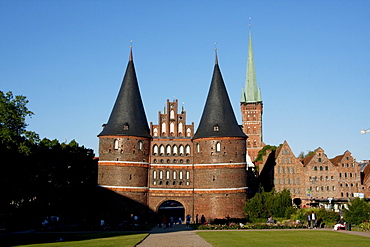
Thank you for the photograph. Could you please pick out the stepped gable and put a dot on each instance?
(128, 116)
(218, 118)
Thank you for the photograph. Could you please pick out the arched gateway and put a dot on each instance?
(173, 209)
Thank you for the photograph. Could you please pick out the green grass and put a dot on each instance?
(283, 238)
(102, 239)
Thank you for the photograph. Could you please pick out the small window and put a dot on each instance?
(125, 126)
(218, 147)
(326, 168)
(116, 145)
(319, 160)
(315, 168)
(140, 145)
(216, 128)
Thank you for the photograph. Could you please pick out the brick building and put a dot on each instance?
(315, 178)
(169, 167)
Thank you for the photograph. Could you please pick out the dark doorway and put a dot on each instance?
(173, 209)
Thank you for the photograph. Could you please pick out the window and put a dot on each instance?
(155, 174)
(218, 147)
(198, 148)
(155, 132)
(116, 145)
(188, 132)
(326, 168)
(180, 128)
(161, 150)
(216, 128)
(181, 150)
(321, 168)
(187, 150)
(180, 175)
(172, 114)
(174, 150)
(174, 174)
(172, 127)
(167, 174)
(319, 160)
(187, 175)
(168, 150)
(161, 175)
(164, 128)
(155, 149)
(315, 168)
(140, 145)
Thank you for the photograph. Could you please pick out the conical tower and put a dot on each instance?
(220, 179)
(124, 142)
(252, 107)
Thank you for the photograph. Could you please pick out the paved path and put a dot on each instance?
(177, 236)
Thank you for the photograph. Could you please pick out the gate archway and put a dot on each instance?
(172, 208)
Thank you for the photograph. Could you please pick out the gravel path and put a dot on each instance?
(177, 236)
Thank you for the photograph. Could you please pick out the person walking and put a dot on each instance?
(308, 218)
(188, 218)
(314, 220)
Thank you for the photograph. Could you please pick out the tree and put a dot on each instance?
(302, 155)
(358, 211)
(13, 133)
(278, 204)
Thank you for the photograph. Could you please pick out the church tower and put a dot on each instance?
(220, 178)
(251, 107)
(124, 143)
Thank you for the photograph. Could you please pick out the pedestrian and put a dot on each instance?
(203, 219)
(314, 220)
(188, 217)
(196, 219)
(308, 218)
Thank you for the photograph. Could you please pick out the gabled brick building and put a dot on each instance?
(314, 178)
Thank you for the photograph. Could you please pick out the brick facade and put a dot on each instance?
(207, 175)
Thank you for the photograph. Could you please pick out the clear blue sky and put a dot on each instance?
(312, 61)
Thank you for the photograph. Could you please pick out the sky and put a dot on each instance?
(311, 57)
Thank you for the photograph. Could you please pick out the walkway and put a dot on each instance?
(178, 235)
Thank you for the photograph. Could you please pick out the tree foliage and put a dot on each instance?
(262, 152)
(40, 177)
(358, 211)
(302, 155)
(263, 204)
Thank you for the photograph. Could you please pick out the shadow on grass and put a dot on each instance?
(52, 237)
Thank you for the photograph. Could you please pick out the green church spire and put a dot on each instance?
(251, 92)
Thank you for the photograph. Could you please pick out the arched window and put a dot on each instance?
(172, 128)
(140, 145)
(164, 128)
(180, 128)
(188, 132)
(161, 150)
(155, 149)
(218, 147)
(187, 175)
(116, 145)
(155, 174)
(187, 150)
(315, 168)
(180, 175)
(161, 175)
(174, 174)
(155, 132)
(168, 150)
(172, 114)
(167, 174)
(181, 150)
(198, 148)
(320, 168)
(174, 150)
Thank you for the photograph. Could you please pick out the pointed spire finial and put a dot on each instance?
(216, 57)
(131, 59)
(250, 24)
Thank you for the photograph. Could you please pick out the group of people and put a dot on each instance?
(202, 219)
(167, 221)
(311, 220)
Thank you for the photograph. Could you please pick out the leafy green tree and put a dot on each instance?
(358, 211)
(278, 204)
(13, 133)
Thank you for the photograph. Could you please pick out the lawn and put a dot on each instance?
(74, 239)
(282, 238)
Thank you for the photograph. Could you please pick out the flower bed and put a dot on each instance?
(231, 226)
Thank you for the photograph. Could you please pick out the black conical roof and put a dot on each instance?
(128, 116)
(218, 119)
